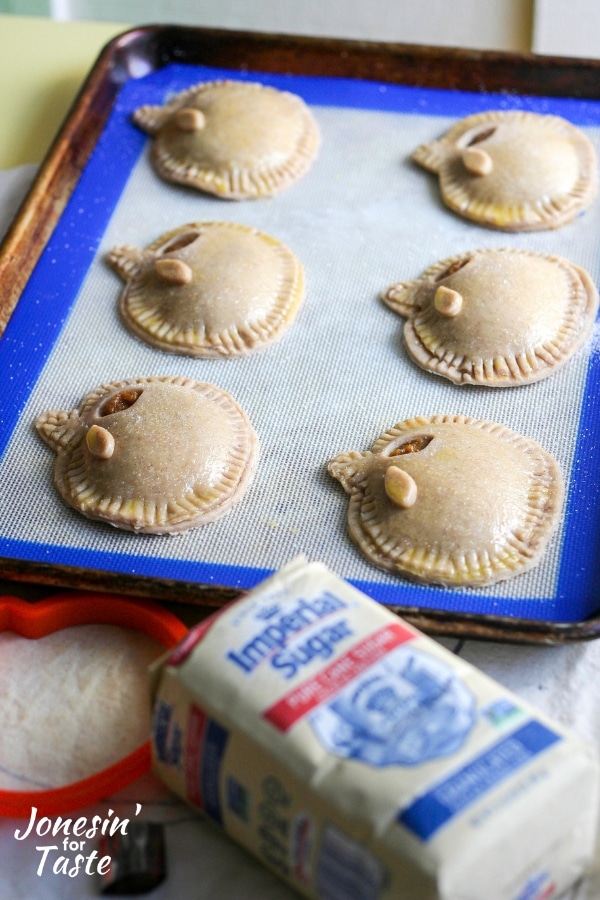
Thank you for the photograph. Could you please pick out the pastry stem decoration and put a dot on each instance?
(447, 302)
(400, 487)
(189, 119)
(100, 442)
(173, 271)
(477, 161)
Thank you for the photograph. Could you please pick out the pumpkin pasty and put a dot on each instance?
(496, 317)
(425, 503)
(239, 140)
(209, 289)
(156, 454)
(513, 170)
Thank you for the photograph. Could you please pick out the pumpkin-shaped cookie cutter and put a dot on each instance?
(39, 619)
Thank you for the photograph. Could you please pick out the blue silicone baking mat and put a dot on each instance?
(362, 218)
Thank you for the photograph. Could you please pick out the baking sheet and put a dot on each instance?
(362, 218)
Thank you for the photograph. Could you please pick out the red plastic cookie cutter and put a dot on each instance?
(36, 620)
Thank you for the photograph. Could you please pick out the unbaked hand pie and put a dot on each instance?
(514, 170)
(451, 500)
(496, 317)
(156, 454)
(209, 289)
(236, 139)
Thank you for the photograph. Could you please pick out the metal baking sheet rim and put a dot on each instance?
(129, 56)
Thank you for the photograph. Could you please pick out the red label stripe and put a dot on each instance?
(193, 753)
(311, 693)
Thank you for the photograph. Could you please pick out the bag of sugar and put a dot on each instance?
(360, 760)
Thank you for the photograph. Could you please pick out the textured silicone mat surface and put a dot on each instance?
(363, 217)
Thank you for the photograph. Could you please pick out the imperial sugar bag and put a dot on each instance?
(360, 760)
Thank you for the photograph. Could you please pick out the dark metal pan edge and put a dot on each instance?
(207, 597)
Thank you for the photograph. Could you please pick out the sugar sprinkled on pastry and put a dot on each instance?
(514, 170)
(157, 454)
(209, 289)
(499, 317)
(236, 139)
(426, 504)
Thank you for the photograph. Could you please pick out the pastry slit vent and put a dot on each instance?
(414, 445)
(454, 267)
(180, 241)
(120, 401)
(481, 136)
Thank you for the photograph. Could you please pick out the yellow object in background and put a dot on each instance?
(43, 64)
